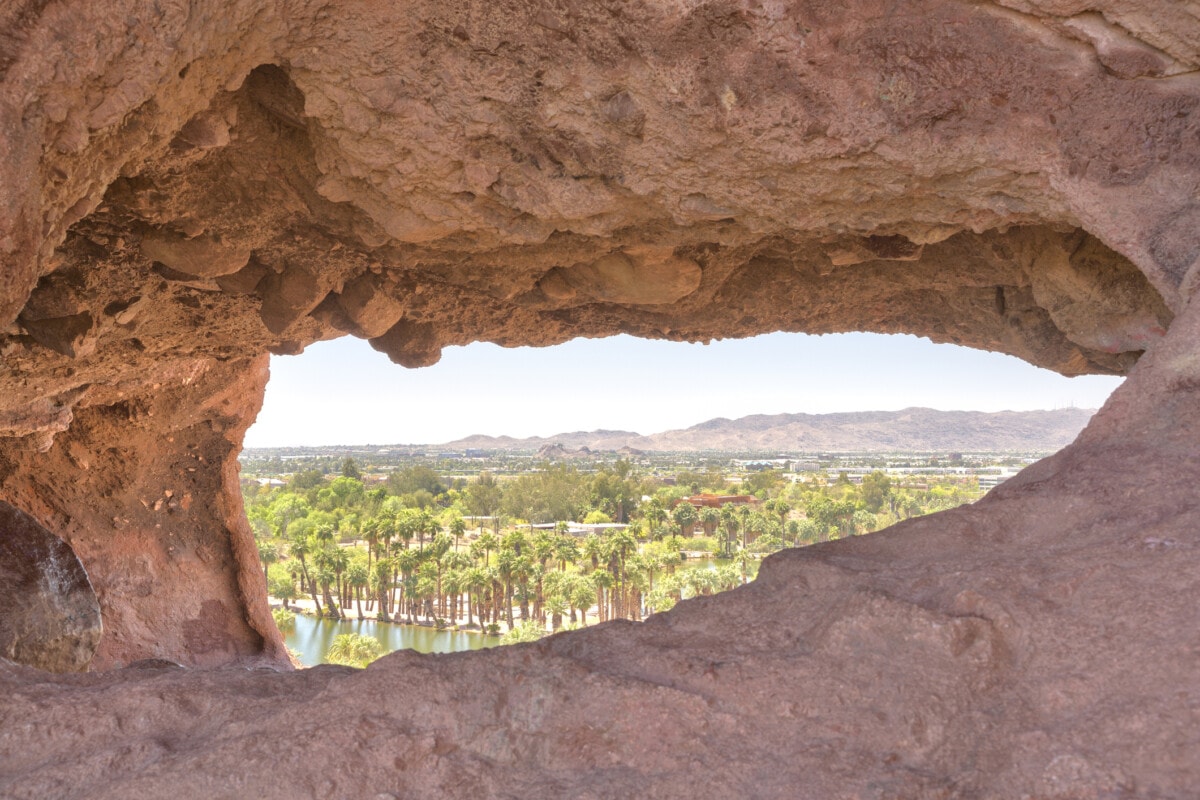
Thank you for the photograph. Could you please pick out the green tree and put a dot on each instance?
(760, 483)
(354, 650)
(654, 514)
(411, 480)
(268, 554)
(525, 631)
(613, 491)
(484, 497)
(686, 517)
(358, 579)
(457, 526)
(876, 490)
(555, 492)
(285, 619)
(285, 508)
(283, 588)
(308, 479)
(729, 527)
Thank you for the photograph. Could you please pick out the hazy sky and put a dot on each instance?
(343, 392)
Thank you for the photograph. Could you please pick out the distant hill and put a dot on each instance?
(912, 430)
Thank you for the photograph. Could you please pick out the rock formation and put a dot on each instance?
(186, 187)
(51, 618)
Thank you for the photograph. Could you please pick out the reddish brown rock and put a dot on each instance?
(1030, 645)
(143, 486)
(186, 187)
(199, 257)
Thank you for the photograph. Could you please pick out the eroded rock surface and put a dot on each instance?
(50, 617)
(186, 187)
(1031, 645)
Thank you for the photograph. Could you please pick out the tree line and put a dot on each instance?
(413, 546)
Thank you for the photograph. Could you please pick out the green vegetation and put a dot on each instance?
(285, 619)
(526, 547)
(354, 650)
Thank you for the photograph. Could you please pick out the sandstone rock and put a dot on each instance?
(1017, 175)
(287, 296)
(1003, 649)
(410, 344)
(71, 336)
(51, 619)
(201, 257)
(635, 276)
(370, 306)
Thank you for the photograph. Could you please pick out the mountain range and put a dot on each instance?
(908, 430)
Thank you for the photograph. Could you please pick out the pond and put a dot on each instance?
(312, 637)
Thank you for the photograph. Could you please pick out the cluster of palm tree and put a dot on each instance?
(407, 557)
(413, 570)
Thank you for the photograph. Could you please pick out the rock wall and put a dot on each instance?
(186, 187)
(1041, 643)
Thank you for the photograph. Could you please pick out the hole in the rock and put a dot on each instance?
(51, 617)
(528, 490)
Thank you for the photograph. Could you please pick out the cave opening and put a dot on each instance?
(340, 426)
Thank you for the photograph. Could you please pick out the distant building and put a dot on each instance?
(989, 482)
(581, 528)
(706, 500)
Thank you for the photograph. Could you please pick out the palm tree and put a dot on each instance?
(358, 577)
(710, 518)
(268, 554)
(488, 542)
(583, 597)
(300, 548)
(354, 650)
(425, 523)
(505, 571)
(525, 570)
(407, 562)
(621, 545)
(325, 534)
(743, 559)
(476, 584)
(566, 550)
(556, 604)
(602, 580)
(685, 517)
(370, 531)
(407, 523)
(744, 513)
(782, 508)
(325, 577)
(455, 563)
(458, 527)
(593, 548)
(729, 524)
(382, 581)
(654, 514)
(452, 586)
(426, 589)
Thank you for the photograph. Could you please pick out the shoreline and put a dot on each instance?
(458, 625)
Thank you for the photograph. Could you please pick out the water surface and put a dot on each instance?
(312, 637)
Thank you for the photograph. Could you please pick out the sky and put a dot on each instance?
(343, 392)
